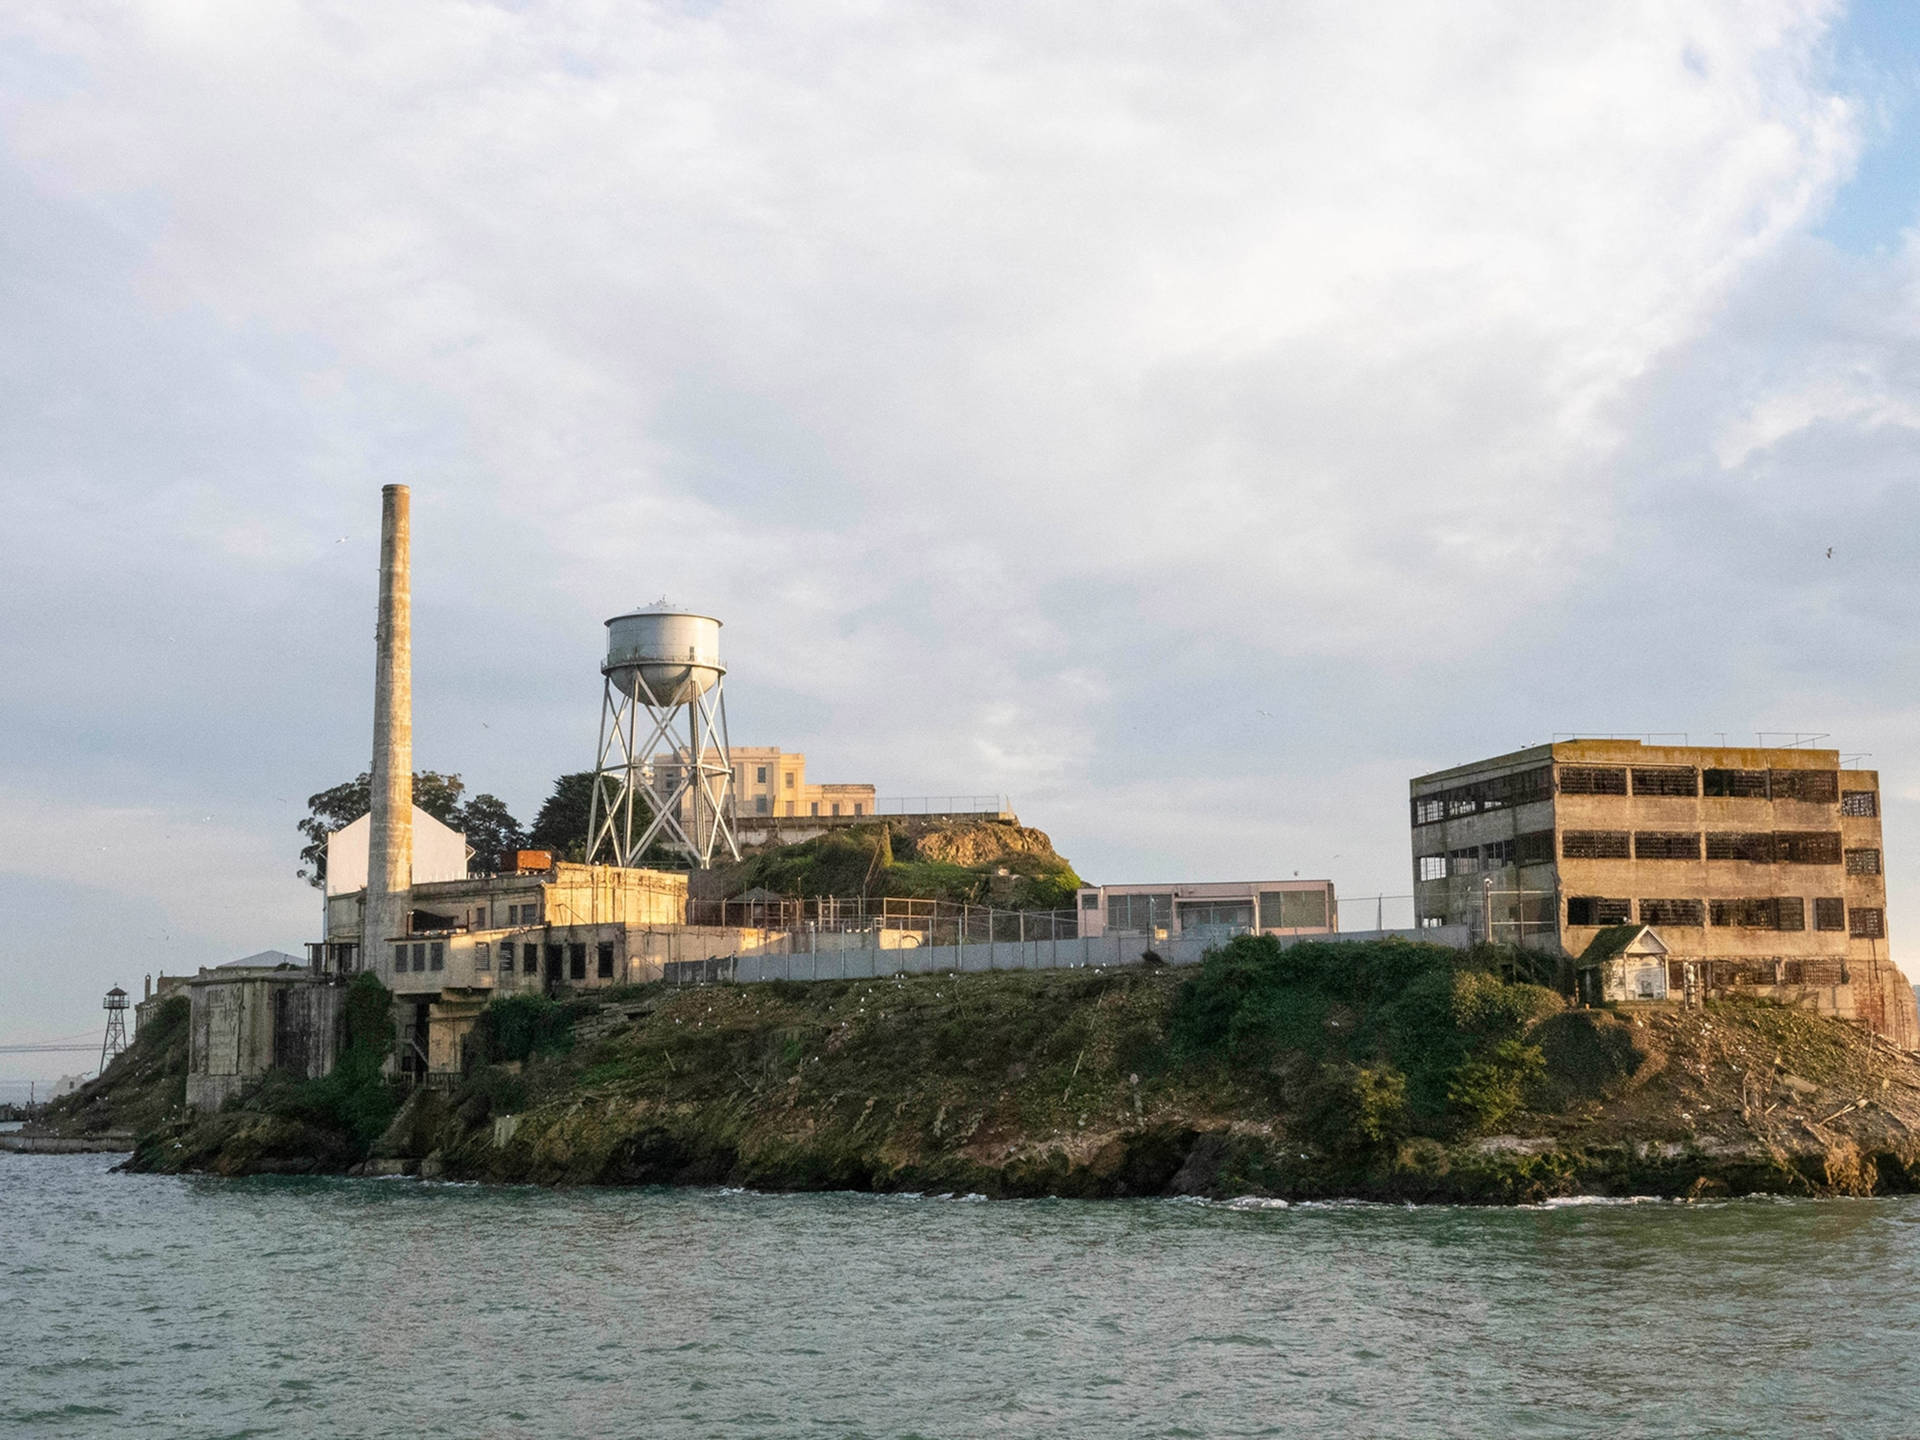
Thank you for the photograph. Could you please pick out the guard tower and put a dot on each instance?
(664, 773)
(116, 1039)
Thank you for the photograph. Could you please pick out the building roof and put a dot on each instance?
(1616, 941)
(265, 960)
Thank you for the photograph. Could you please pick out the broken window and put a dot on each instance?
(530, 959)
(1786, 913)
(1735, 784)
(1863, 862)
(604, 960)
(576, 962)
(760, 774)
(1860, 802)
(1829, 913)
(1673, 912)
(436, 956)
(482, 957)
(513, 914)
(1463, 862)
(399, 957)
(1596, 845)
(1533, 848)
(1866, 922)
(1090, 900)
(1817, 787)
(1807, 847)
(1666, 845)
(1755, 847)
(419, 957)
(1593, 780)
(1666, 780)
(1498, 793)
(1433, 867)
(1597, 910)
(506, 957)
(1496, 853)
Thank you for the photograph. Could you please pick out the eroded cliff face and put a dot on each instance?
(1077, 1083)
(1884, 1002)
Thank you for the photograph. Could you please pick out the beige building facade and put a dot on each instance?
(1763, 868)
(770, 783)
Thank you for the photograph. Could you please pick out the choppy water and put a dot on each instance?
(144, 1306)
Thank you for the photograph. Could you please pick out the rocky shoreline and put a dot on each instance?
(1433, 1082)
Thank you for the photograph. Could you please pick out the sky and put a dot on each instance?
(1190, 421)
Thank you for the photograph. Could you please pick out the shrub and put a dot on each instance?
(1356, 1110)
(519, 1027)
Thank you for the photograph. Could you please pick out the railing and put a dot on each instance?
(944, 805)
(1376, 912)
(928, 922)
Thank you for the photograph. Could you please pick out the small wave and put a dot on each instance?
(1256, 1202)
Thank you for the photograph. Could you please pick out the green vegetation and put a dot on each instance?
(958, 862)
(1384, 1069)
(521, 1027)
(1416, 1037)
(354, 1100)
(146, 1083)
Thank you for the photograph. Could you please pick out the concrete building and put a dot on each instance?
(768, 781)
(1211, 909)
(260, 1013)
(572, 926)
(1763, 868)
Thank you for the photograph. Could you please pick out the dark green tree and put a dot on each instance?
(561, 825)
(488, 825)
(491, 832)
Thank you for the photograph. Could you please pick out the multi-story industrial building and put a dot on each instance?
(1758, 868)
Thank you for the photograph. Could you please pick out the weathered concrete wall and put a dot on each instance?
(860, 964)
(240, 1027)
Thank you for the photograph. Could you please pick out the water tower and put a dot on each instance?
(664, 772)
(116, 1007)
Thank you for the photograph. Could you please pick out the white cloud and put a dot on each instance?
(1034, 390)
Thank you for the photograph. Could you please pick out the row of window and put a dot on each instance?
(1779, 912)
(432, 955)
(1790, 847)
(1779, 847)
(1277, 909)
(1818, 787)
(426, 955)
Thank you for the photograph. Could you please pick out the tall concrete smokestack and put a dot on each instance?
(390, 841)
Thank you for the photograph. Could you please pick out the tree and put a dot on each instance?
(561, 825)
(488, 825)
(491, 832)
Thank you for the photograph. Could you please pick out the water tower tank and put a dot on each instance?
(676, 652)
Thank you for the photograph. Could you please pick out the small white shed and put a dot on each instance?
(1624, 962)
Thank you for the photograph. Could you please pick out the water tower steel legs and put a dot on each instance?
(623, 777)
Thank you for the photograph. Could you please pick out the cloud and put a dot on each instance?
(1037, 392)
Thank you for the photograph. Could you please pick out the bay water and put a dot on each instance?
(159, 1306)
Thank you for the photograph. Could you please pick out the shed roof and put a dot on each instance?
(1615, 941)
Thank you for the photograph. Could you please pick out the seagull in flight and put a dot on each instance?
(1829, 552)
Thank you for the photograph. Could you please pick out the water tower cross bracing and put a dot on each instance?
(665, 773)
